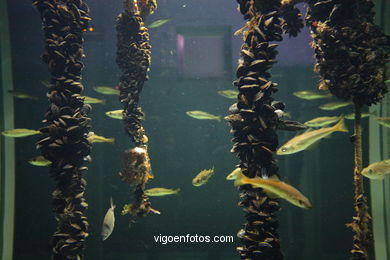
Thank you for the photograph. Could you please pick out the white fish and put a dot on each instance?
(108, 222)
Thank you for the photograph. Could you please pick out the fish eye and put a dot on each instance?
(370, 171)
(284, 149)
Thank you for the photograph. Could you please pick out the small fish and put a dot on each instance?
(334, 105)
(91, 100)
(377, 170)
(322, 121)
(39, 161)
(159, 23)
(202, 115)
(93, 138)
(384, 121)
(203, 177)
(311, 95)
(45, 82)
(109, 221)
(352, 115)
(233, 175)
(106, 90)
(116, 114)
(387, 81)
(281, 113)
(158, 192)
(305, 140)
(275, 188)
(20, 132)
(232, 94)
(22, 95)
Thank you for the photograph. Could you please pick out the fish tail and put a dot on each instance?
(103, 101)
(177, 190)
(112, 203)
(340, 126)
(111, 140)
(219, 118)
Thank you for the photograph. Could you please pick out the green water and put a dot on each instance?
(179, 146)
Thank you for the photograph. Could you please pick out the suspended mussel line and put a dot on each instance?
(351, 56)
(133, 58)
(64, 138)
(254, 123)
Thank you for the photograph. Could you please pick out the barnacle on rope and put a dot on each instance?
(64, 140)
(133, 58)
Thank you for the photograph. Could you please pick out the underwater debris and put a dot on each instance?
(64, 138)
(202, 177)
(136, 167)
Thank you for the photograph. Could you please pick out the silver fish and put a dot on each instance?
(108, 222)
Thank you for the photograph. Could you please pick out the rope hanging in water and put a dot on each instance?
(133, 58)
(351, 57)
(64, 139)
(254, 121)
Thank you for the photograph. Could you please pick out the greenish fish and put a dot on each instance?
(232, 94)
(322, 121)
(39, 161)
(116, 114)
(233, 175)
(202, 177)
(202, 115)
(275, 188)
(311, 95)
(94, 138)
(109, 221)
(106, 90)
(158, 192)
(305, 140)
(22, 95)
(377, 170)
(45, 83)
(384, 121)
(351, 116)
(92, 100)
(159, 23)
(20, 132)
(334, 105)
(387, 81)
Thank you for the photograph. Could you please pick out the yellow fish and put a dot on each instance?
(39, 161)
(159, 23)
(93, 138)
(116, 114)
(352, 115)
(233, 175)
(22, 95)
(232, 94)
(334, 105)
(303, 141)
(202, 115)
(158, 192)
(91, 100)
(106, 90)
(384, 121)
(109, 221)
(275, 188)
(203, 177)
(20, 132)
(311, 95)
(322, 121)
(377, 170)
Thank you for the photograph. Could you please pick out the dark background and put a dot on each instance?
(179, 146)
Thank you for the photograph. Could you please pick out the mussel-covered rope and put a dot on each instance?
(351, 53)
(254, 123)
(64, 139)
(133, 58)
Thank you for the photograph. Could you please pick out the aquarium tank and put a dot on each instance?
(194, 129)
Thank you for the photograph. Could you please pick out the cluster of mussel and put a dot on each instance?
(350, 49)
(64, 139)
(254, 124)
(133, 58)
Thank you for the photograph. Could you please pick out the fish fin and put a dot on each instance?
(274, 177)
(340, 126)
(112, 203)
